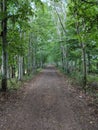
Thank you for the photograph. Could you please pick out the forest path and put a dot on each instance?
(47, 103)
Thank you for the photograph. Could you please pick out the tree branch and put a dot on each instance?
(90, 2)
(60, 20)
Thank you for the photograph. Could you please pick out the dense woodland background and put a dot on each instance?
(35, 33)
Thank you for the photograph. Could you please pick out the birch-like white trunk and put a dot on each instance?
(20, 68)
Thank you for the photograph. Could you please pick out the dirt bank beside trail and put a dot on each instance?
(46, 103)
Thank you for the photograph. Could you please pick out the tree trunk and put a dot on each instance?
(29, 70)
(20, 69)
(89, 63)
(13, 71)
(41, 59)
(23, 65)
(84, 67)
(81, 41)
(4, 45)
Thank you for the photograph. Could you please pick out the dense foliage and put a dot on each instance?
(34, 33)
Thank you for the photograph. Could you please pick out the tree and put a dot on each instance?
(80, 17)
(4, 44)
(12, 13)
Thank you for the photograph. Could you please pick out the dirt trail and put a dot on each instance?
(47, 103)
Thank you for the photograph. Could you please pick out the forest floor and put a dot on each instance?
(48, 102)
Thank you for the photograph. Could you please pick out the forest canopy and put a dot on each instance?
(61, 32)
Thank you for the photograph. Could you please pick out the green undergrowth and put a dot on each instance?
(92, 78)
(76, 79)
(29, 77)
(92, 85)
(15, 84)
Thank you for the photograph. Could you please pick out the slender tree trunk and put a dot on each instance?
(76, 68)
(29, 55)
(23, 65)
(4, 46)
(62, 60)
(13, 71)
(60, 19)
(66, 60)
(20, 69)
(89, 63)
(84, 66)
(41, 59)
(34, 58)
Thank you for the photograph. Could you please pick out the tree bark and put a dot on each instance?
(4, 45)
(89, 63)
(20, 69)
(83, 50)
(13, 71)
(84, 66)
